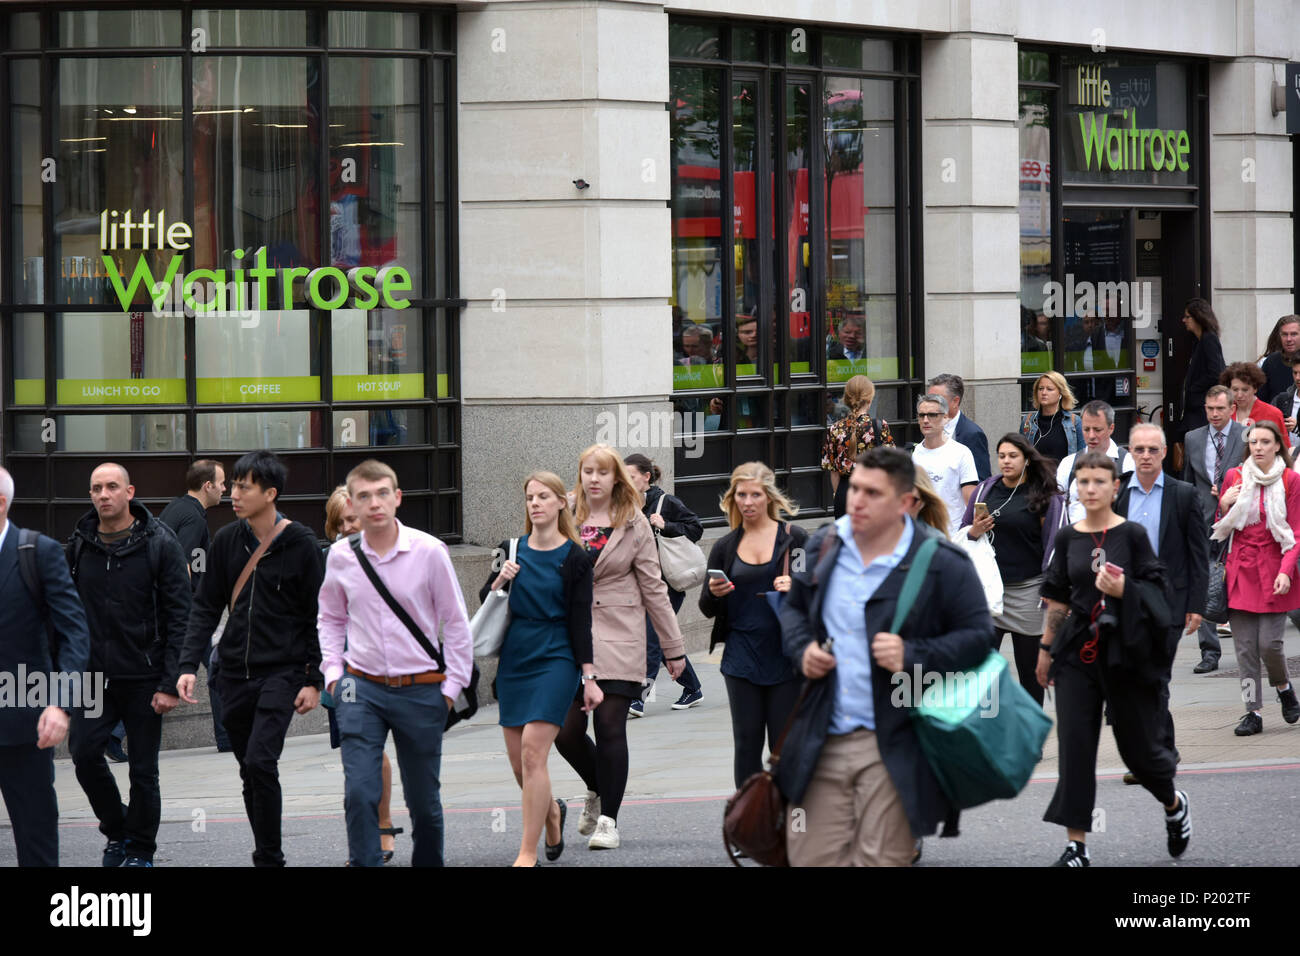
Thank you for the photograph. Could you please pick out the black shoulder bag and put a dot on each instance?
(466, 704)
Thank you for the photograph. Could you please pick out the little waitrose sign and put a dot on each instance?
(1113, 142)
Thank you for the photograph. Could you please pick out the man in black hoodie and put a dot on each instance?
(267, 570)
(130, 573)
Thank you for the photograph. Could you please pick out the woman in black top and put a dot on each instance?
(1105, 642)
(1205, 364)
(761, 685)
(1025, 509)
(672, 519)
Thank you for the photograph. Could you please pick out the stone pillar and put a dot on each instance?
(567, 287)
(1251, 232)
(970, 186)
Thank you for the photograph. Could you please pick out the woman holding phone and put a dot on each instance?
(1105, 644)
(547, 643)
(744, 567)
(1260, 505)
(1021, 509)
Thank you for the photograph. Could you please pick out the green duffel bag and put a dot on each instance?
(981, 732)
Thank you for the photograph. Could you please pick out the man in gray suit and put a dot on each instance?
(1211, 450)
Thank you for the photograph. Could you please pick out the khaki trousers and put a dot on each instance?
(850, 815)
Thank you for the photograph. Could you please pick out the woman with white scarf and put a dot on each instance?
(1261, 522)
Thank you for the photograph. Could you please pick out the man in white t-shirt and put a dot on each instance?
(948, 462)
(1098, 425)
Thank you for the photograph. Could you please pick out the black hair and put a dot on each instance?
(644, 465)
(1200, 311)
(1040, 476)
(892, 461)
(264, 469)
(200, 473)
(1097, 459)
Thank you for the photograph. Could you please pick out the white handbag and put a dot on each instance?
(986, 566)
(491, 621)
(681, 560)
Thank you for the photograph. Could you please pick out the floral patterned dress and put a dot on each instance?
(839, 449)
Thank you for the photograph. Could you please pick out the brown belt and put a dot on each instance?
(404, 680)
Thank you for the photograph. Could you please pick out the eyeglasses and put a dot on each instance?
(1145, 451)
(929, 414)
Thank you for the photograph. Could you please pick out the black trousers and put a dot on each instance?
(1167, 736)
(27, 785)
(1138, 713)
(131, 703)
(757, 709)
(256, 713)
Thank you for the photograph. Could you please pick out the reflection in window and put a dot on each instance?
(270, 357)
(24, 172)
(374, 134)
(253, 27)
(119, 28)
(100, 433)
(379, 426)
(256, 136)
(378, 356)
(119, 358)
(1036, 333)
(375, 30)
(861, 307)
(240, 431)
(28, 350)
(120, 149)
(798, 238)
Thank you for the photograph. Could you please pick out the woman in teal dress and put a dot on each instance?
(547, 644)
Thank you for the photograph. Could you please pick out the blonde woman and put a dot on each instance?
(627, 584)
(341, 520)
(761, 684)
(1053, 427)
(851, 436)
(548, 642)
(929, 508)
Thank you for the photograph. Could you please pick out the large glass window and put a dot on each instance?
(246, 244)
(766, 332)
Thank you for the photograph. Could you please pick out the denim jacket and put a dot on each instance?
(1073, 429)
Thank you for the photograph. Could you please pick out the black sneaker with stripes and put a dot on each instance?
(1179, 825)
(1076, 854)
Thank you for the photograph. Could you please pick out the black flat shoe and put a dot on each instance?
(553, 852)
(389, 831)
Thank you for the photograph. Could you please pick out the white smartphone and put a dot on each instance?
(719, 575)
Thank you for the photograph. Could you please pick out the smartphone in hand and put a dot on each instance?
(1114, 570)
(718, 575)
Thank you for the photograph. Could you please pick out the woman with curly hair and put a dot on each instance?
(851, 436)
(1244, 380)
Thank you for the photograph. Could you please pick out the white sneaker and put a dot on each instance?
(590, 811)
(605, 837)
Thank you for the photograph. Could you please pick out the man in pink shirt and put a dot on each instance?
(386, 679)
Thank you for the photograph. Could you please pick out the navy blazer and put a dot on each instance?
(23, 637)
(949, 629)
(1184, 545)
(972, 436)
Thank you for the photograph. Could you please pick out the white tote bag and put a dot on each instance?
(986, 566)
(681, 560)
(492, 619)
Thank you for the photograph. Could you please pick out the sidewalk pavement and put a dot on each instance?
(674, 754)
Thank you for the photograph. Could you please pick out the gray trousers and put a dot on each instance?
(1257, 637)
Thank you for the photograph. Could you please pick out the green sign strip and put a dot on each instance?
(841, 370)
(29, 391)
(378, 388)
(252, 391)
(120, 391)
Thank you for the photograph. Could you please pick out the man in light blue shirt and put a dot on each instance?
(1145, 495)
(851, 585)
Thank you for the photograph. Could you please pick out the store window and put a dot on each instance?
(779, 303)
(243, 241)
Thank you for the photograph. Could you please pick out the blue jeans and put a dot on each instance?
(654, 654)
(416, 716)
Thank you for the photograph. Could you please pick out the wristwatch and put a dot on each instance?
(587, 677)
(1044, 646)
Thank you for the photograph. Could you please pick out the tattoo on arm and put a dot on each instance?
(1052, 623)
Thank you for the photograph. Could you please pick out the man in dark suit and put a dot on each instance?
(1166, 509)
(31, 729)
(1210, 451)
(1277, 365)
(1285, 402)
(959, 426)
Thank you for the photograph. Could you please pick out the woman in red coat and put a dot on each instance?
(1244, 379)
(1261, 522)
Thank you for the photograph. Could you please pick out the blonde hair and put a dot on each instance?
(552, 481)
(334, 508)
(776, 501)
(372, 469)
(858, 393)
(933, 511)
(1062, 386)
(625, 500)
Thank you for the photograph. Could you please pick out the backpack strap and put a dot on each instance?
(28, 570)
(913, 582)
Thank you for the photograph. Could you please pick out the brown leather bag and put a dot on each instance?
(753, 822)
(255, 557)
